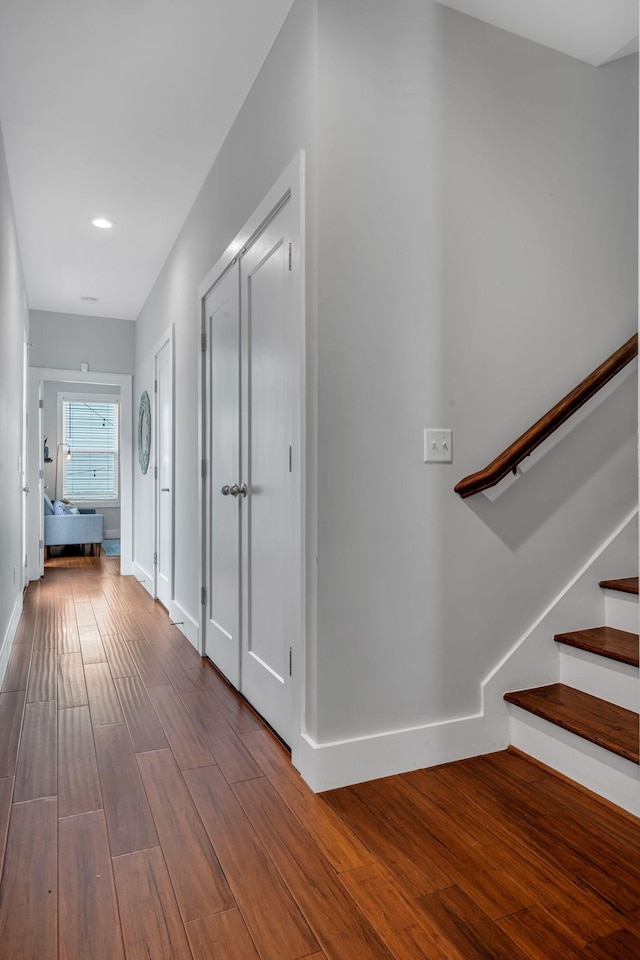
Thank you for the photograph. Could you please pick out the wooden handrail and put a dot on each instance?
(509, 459)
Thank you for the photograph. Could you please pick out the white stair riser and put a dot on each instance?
(615, 682)
(605, 773)
(621, 610)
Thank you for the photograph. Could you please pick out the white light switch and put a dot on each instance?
(437, 445)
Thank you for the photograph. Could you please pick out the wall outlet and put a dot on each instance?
(437, 445)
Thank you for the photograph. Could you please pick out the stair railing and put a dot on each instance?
(521, 448)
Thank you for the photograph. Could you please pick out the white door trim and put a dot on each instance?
(289, 186)
(24, 463)
(166, 338)
(38, 375)
(222, 640)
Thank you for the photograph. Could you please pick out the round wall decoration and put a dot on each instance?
(144, 432)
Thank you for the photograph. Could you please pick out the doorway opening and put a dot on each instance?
(49, 389)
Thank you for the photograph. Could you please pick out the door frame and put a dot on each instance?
(229, 656)
(24, 462)
(166, 338)
(289, 188)
(37, 376)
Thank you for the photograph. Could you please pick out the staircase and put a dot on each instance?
(587, 725)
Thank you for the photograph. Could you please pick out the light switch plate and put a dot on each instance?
(437, 445)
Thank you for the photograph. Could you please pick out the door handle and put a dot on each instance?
(234, 490)
(166, 489)
(27, 489)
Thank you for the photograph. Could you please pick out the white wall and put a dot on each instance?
(50, 423)
(541, 280)
(471, 254)
(477, 258)
(379, 600)
(14, 327)
(277, 119)
(66, 341)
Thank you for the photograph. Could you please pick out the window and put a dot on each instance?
(90, 429)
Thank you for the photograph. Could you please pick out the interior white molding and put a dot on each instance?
(533, 660)
(9, 636)
(38, 376)
(144, 578)
(185, 624)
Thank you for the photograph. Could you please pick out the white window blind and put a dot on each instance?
(90, 429)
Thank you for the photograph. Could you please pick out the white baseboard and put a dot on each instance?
(178, 615)
(112, 534)
(532, 661)
(325, 766)
(9, 636)
(185, 623)
(143, 577)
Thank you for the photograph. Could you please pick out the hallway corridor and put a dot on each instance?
(147, 814)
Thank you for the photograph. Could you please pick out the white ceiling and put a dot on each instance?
(119, 107)
(595, 31)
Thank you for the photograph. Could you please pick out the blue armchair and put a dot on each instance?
(87, 526)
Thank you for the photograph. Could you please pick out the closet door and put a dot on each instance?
(222, 510)
(252, 491)
(269, 367)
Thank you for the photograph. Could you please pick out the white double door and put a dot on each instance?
(252, 554)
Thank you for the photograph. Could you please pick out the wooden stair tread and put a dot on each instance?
(625, 585)
(606, 642)
(603, 723)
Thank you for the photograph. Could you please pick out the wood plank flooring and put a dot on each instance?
(146, 813)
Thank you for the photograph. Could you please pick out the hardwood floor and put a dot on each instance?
(146, 813)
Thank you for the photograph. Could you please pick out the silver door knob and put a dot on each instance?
(226, 490)
(27, 489)
(238, 491)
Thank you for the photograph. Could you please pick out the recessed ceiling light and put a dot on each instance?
(102, 222)
(89, 299)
